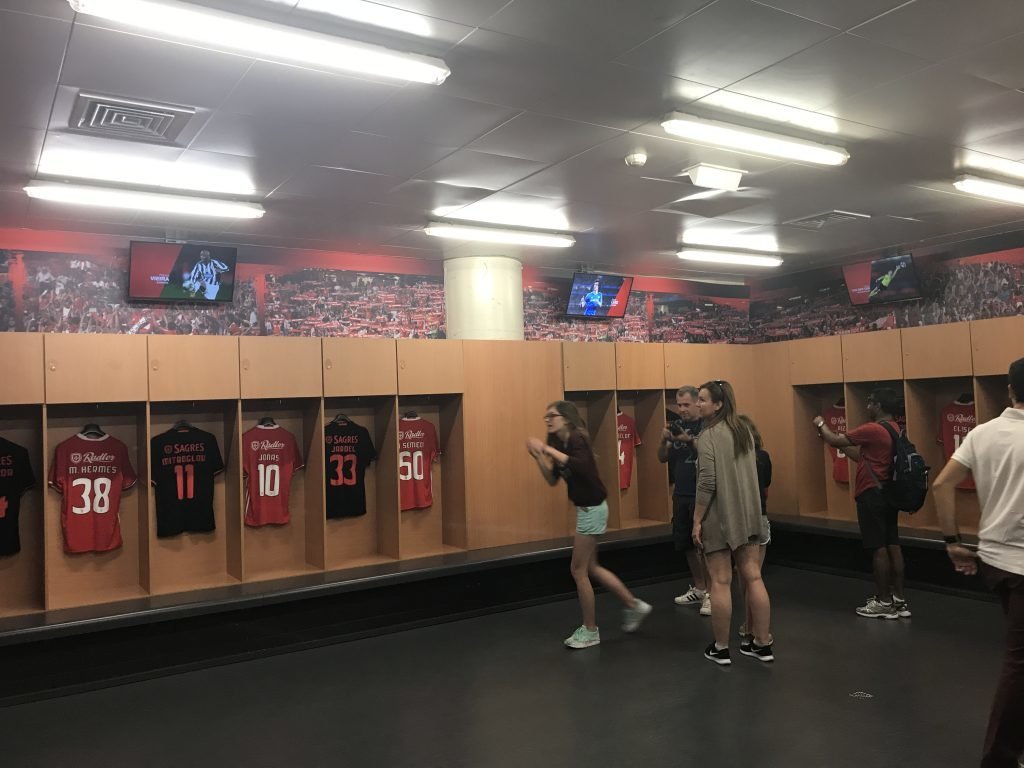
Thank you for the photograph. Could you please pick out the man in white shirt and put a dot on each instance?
(993, 453)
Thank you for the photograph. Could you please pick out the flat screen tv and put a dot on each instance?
(594, 295)
(882, 280)
(176, 272)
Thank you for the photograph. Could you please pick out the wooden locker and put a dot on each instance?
(22, 381)
(995, 344)
(815, 361)
(875, 356)
(937, 351)
(190, 368)
(96, 368)
(588, 366)
(354, 367)
(280, 367)
(430, 367)
(639, 366)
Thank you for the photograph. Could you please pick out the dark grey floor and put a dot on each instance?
(502, 691)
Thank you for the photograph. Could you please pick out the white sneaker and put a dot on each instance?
(633, 617)
(583, 638)
(692, 596)
(705, 606)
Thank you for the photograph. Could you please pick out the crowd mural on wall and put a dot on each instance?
(72, 293)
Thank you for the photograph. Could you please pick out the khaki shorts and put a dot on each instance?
(592, 521)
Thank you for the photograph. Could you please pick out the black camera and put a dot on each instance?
(676, 428)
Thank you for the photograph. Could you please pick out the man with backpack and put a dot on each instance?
(993, 454)
(872, 446)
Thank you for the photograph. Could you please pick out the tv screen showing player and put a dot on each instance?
(882, 280)
(594, 295)
(177, 272)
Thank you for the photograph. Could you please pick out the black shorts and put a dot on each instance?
(878, 520)
(682, 522)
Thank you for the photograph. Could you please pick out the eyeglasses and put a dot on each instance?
(551, 416)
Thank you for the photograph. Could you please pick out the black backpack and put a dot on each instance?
(909, 484)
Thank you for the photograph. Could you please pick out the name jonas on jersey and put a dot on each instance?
(184, 458)
(266, 445)
(270, 458)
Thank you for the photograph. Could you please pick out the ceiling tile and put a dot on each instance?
(1001, 62)
(841, 14)
(726, 42)
(330, 186)
(266, 174)
(619, 96)
(121, 64)
(385, 155)
(467, 168)
(938, 103)
(424, 114)
(818, 76)
(290, 93)
(19, 149)
(470, 12)
(601, 28)
(938, 29)
(54, 9)
(545, 139)
(1008, 145)
(427, 196)
(32, 47)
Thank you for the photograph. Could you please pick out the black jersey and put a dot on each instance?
(184, 462)
(348, 451)
(15, 478)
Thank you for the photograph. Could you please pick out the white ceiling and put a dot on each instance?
(545, 99)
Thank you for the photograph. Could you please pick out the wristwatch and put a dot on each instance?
(952, 539)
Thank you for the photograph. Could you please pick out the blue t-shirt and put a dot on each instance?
(682, 458)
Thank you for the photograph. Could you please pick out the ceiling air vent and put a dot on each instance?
(818, 221)
(118, 118)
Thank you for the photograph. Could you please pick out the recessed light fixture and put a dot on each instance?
(719, 239)
(993, 190)
(157, 202)
(525, 215)
(452, 231)
(233, 33)
(372, 14)
(715, 177)
(769, 110)
(144, 172)
(729, 258)
(751, 142)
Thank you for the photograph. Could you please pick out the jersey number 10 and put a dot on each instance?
(270, 479)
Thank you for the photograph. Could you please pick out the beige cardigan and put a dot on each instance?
(727, 487)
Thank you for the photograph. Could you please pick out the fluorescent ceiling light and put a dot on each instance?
(769, 110)
(751, 142)
(715, 177)
(977, 162)
(372, 14)
(509, 214)
(503, 236)
(994, 190)
(732, 259)
(142, 171)
(103, 197)
(720, 239)
(232, 33)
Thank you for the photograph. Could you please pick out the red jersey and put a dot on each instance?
(957, 419)
(90, 473)
(835, 419)
(628, 441)
(417, 450)
(270, 456)
(875, 451)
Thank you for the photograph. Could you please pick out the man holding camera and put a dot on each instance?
(678, 448)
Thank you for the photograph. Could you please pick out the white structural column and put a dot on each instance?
(484, 297)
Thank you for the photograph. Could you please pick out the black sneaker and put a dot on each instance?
(719, 656)
(759, 652)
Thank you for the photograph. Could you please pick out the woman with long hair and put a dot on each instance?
(727, 521)
(764, 479)
(567, 454)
